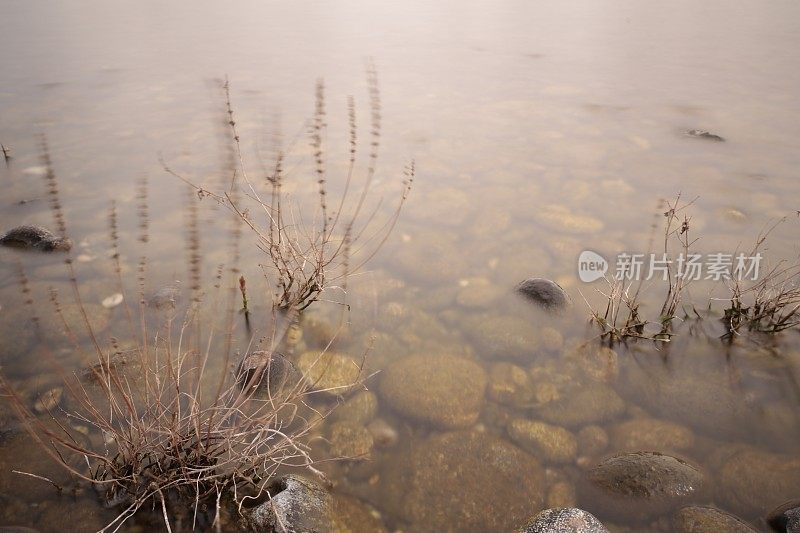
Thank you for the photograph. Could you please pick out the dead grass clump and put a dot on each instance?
(165, 424)
(623, 317)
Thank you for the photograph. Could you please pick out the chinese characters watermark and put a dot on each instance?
(690, 267)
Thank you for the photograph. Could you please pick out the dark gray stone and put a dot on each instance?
(564, 520)
(543, 292)
(703, 134)
(641, 485)
(785, 518)
(298, 504)
(35, 238)
(268, 372)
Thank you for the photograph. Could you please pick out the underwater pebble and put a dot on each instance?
(702, 519)
(112, 301)
(49, 400)
(35, 171)
(384, 435)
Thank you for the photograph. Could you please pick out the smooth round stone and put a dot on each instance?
(509, 384)
(651, 434)
(563, 520)
(550, 443)
(350, 441)
(544, 293)
(359, 409)
(592, 440)
(706, 403)
(561, 220)
(598, 363)
(445, 391)
(470, 481)
(752, 481)
(334, 373)
(383, 434)
(637, 486)
(502, 337)
(702, 519)
(591, 404)
(268, 372)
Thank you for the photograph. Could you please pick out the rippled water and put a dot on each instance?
(538, 131)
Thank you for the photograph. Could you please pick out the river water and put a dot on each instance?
(538, 130)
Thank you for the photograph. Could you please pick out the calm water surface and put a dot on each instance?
(539, 131)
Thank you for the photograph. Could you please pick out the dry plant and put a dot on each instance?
(169, 426)
(770, 304)
(307, 257)
(622, 317)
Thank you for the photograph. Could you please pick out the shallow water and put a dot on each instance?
(538, 131)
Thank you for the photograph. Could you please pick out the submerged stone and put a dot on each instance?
(502, 337)
(703, 519)
(591, 404)
(350, 441)
(445, 391)
(707, 403)
(651, 434)
(359, 409)
(300, 504)
(562, 220)
(470, 481)
(550, 443)
(269, 372)
(510, 384)
(641, 485)
(334, 373)
(753, 481)
(563, 520)
(543, 292)
(32, 237)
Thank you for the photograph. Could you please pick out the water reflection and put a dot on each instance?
(539, 131)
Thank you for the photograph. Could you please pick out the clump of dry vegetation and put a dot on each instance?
(768, 303)
(622, 317)
(168, 425)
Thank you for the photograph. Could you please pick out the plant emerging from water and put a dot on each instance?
(622, 317)
(305, 258)
(767, 305)
(167, 423)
